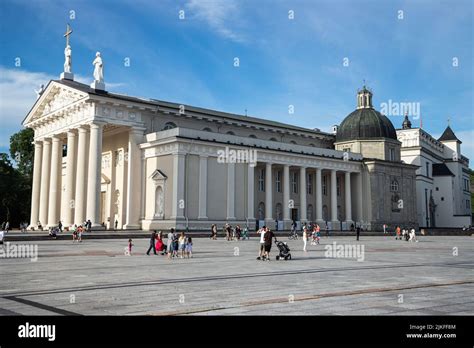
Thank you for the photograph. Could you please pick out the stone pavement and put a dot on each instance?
(432, 277)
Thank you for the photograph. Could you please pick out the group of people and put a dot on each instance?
(408, 235)
(311, 231)
(177, 245)
(231, 232)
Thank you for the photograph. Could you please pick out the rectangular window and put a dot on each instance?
(294, 182)
(325, 192)
(468, 204)
(338, 185)
(428, 169)
(278, 181)
(261, 180)
(392, 154)
(309, 184)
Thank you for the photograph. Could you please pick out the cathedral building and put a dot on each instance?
(136, 163)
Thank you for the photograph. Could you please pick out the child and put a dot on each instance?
(74, 235)
(189, 247)
(130, 244)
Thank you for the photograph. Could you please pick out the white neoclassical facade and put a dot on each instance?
(135, 163)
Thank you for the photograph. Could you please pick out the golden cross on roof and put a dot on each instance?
(68, 32)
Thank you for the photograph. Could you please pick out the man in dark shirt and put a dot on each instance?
(268, 238)
(358, 232)
(152, 243)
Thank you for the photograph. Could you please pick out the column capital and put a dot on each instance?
(71, 132)
(96, 125)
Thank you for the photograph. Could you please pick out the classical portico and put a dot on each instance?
(78, 124)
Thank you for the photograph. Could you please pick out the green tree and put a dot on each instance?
(22, 151)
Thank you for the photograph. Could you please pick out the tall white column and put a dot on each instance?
(348, 198)
(286, 197)
(360, 217)
(55, 183)
(45, 171)
(319, 197)
(334, 199)
(230, 191)
(268, 194)
(70, 178)
(81, 179)
(35, 192)
(177, 211)
(94, 174)
(135, 137)
(250, 192)
(303, 208)
(202, 188)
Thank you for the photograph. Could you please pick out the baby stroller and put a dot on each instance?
(284, 251)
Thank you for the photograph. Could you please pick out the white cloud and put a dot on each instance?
(17, 96)
(218, 15)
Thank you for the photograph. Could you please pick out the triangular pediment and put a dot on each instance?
(158, 175)
(55, 97)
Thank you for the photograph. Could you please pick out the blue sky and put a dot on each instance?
(403, 56)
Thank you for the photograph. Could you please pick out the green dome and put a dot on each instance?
(365, 123)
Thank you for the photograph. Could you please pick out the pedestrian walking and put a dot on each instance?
(327, 230)
(60, 226)
(2, 236)
(358, 232)
(182, 245)
(261, 253)
(413, 236)
(384, 229)
(268, 239)
(170, 243)
(152, 243)
(189, 247)
(80, 230)
(130, 245)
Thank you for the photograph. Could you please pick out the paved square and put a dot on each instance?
(224, 278)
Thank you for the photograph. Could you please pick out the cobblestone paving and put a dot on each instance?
(433, 276)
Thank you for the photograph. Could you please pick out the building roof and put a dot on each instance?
(440, 169)
(159, 103)
(365, 123)
(448, 135)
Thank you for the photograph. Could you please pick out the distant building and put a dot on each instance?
(442, 179)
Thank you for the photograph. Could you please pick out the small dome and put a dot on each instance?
(365, 122)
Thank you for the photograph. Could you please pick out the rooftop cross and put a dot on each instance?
(68, 32)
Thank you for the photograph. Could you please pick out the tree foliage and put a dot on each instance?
(15, 180)
(22, 151)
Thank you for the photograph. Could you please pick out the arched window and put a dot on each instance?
(312, 145)
(230, 133)
(261, 211)
(169, 125)
(273, 139)
(293, 142)
(252, 136)
(207, 129)
(394, 186)
(279, 212)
